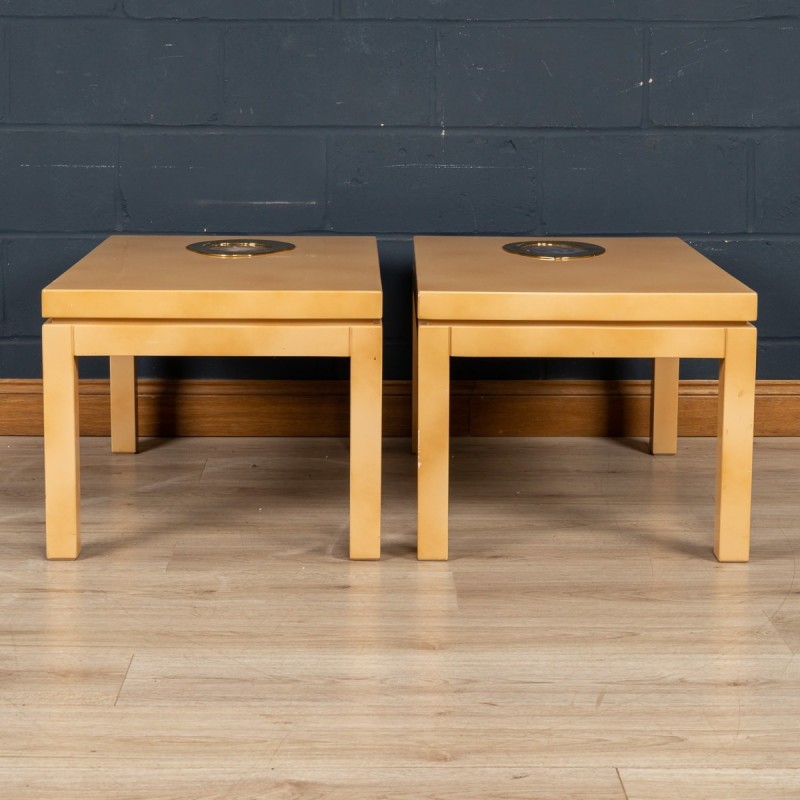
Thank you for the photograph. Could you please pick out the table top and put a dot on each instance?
(156, 277)
(643, 279)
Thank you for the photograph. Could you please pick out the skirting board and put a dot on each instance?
(320, 408)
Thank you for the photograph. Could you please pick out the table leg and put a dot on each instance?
(414, 377)
(366, 393)
(735, 445)
(664, 407)
(124, 417)
(433, 441)
(61, 444)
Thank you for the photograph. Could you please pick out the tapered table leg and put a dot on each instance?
(664, 407)
(366, 392)
(61, 451)
(433, 441)
(124, 416)
(735, 445)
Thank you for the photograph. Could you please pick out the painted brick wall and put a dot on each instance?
(392, 117)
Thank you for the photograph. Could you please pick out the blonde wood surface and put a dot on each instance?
(594, 341)
(664, 406)
(707, 784)
(414, 376)
(62, 457)
(641, 298)
(320, 408)
(734, 344)
(352, 783)
(156, 277)
(639, 279)
(135, 296)
(361, 342)
(215, 641)
(735, 446)
(366, 382)
(433, 432)
(211, 338)
(124, 409)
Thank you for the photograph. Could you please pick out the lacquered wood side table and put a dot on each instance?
(642, 298)
(149, 295)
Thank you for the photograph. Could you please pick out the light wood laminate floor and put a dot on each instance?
(214, 641)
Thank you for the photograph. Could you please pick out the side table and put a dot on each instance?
(642, 298)
(149, 295)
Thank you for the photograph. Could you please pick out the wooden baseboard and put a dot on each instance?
(320, 408)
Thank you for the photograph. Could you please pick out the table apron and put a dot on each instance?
(211, 338)
(606, 341)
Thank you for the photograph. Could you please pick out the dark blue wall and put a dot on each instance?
(393, 117)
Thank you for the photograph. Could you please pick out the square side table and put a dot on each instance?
(652, 298)
(149, 295)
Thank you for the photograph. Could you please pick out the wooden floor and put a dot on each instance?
(213, 641)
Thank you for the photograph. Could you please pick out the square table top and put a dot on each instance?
(642, 279)
(156, 277)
